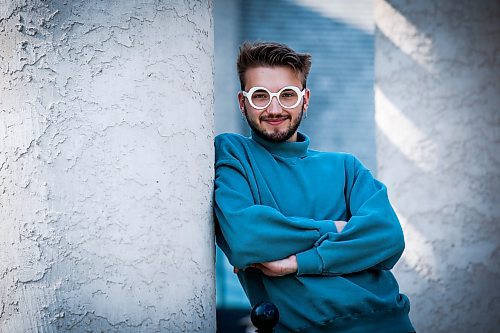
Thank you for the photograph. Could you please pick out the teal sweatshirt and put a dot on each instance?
(273, 200)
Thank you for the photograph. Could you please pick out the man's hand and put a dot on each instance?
(340, 225)
(276, 268)
(279, 267)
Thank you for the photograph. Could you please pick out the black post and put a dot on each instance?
(265, 316)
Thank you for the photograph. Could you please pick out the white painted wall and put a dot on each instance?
(106, 166)
(438, 123)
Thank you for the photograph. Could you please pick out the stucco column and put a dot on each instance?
(438, 124)
(106, 166)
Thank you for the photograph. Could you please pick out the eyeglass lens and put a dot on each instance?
(286, 98)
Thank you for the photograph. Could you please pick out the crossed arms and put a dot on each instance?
(288, 265)
(246, 232)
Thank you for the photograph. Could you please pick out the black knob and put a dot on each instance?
(265, 316)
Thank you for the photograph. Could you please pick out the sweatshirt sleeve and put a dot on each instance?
(250, 233)
(372, 238)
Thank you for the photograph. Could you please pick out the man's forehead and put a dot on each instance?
(271, 77)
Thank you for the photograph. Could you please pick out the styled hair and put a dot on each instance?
(271, 54)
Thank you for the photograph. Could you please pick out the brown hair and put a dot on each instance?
(271, 54)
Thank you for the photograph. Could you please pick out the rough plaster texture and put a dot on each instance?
(438, 122)
(106, 166)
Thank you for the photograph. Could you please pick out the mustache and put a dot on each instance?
(276, 117)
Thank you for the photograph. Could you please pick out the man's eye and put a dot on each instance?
(260, 96)
(288, 94)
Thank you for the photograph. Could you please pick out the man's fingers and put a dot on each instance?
(235, 270)
(272, 268)
(278, 267)
(267, 271)
(340, 225)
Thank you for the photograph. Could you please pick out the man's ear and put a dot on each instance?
(241, 101)
(307, 96)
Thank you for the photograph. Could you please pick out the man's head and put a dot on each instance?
(273, 67)
(271, 54)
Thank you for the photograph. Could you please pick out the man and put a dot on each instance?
(312, 232)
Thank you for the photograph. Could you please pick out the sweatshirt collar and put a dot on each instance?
(285, 149)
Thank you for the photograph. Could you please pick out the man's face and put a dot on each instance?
(274, 123)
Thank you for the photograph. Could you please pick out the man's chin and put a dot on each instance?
(277, 135)
(284, 127)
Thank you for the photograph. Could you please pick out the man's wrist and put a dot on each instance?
(294, 266)
(309, 262)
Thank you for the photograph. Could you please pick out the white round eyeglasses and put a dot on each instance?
(288, 97)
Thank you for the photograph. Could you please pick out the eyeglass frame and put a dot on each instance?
(248, 94)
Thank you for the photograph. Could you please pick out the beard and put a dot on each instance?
(275, 136)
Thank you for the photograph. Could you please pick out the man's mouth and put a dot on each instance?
(275, 120)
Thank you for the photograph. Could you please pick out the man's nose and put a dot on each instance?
(275, 106)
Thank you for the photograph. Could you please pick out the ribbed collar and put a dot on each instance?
(285, 149)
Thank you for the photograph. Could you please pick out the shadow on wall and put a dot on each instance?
(437, 96)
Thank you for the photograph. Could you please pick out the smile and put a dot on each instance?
(275, 121)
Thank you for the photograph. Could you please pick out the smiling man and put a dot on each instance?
(312, 232)
(274, 124)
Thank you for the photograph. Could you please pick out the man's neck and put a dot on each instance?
(293, 138)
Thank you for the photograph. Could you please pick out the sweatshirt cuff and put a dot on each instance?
(309, 262)
(326, 227)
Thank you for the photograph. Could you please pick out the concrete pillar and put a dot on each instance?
(438, 123)
(106, 166)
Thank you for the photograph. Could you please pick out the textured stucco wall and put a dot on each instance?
(106, 166)
(438, 123)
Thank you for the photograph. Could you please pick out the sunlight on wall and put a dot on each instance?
(404, 34)
(419, 254)
(408, 138)
(437, 97)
